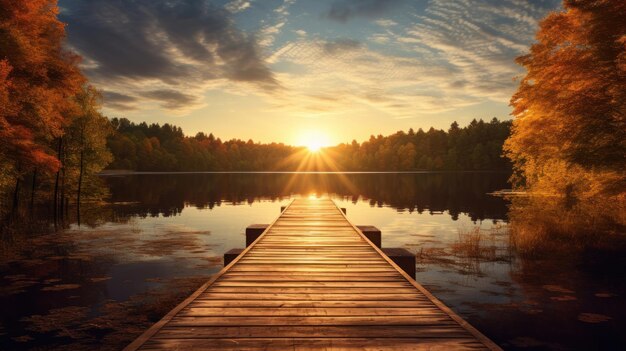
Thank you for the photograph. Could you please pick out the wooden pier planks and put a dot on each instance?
(312, 281)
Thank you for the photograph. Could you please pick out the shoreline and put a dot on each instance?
(106, 173)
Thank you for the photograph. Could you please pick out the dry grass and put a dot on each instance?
(475, 243)
(474, 247)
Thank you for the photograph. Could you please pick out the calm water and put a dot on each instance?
(99, 284)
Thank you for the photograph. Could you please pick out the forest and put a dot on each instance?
(143, 147)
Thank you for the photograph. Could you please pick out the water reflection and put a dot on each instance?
(167, 194)
(495, 261)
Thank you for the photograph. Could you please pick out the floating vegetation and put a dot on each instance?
(62, 322)
(593, 318)
(99, 279)
(604, 295)
(112, 324)
(564, 298)
(61, 287)
(16, 284)
(557, 288)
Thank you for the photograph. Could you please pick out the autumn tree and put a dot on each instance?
(86, 140)
(37, 80)
(569, 134)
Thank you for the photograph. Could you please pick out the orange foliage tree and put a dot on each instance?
(569, 134)
(38, 79)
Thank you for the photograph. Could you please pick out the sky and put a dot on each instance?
(293, 71)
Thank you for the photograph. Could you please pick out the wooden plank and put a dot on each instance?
(304, 290)
(309, 296)
(311, 311)
(300, 331)
(307, 278)
(314, 344)
(311, 268)
(190, 321)
(310, 275)
(328, 304)
(311, 281)
(316, 284)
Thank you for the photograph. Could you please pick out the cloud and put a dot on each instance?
(380, 38)
(343, 76)
(345, 10)
(114, 97)
(154, 45)
(339, 45)
(170, 99)
(237, 5)
(269, 32)
(386, 23)
(274, 25)
(284, 8)
(414, 58)
(445, 57)
(119, 101)
(478, 40)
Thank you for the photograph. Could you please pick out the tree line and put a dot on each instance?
(143, 147)
(477, 146)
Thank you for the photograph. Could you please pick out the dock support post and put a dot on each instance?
(253, 231)
(404, 258)
(371, 233)
(230, 255)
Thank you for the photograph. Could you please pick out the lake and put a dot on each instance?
(101, 282)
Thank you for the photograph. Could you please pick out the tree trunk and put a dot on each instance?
(32, 191)
(16, 196)
(80, 173)
(62, 194)
(80, 184)
(55, 205)
(63, 209)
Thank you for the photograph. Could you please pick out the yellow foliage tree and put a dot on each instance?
(569, 134)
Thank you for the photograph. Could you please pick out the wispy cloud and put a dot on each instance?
(119, 101)
(478, 40)
(343, 75)
(170, 99)
(450, 56)
(279, 18)
(386, 23)
(237, 5)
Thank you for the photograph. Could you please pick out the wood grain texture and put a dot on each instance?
(312, 281)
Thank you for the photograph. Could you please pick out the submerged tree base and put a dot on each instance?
(560, 225)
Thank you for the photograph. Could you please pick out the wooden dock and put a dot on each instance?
(312, 281)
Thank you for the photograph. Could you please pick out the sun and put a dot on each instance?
(314, 146)
(314, 141)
